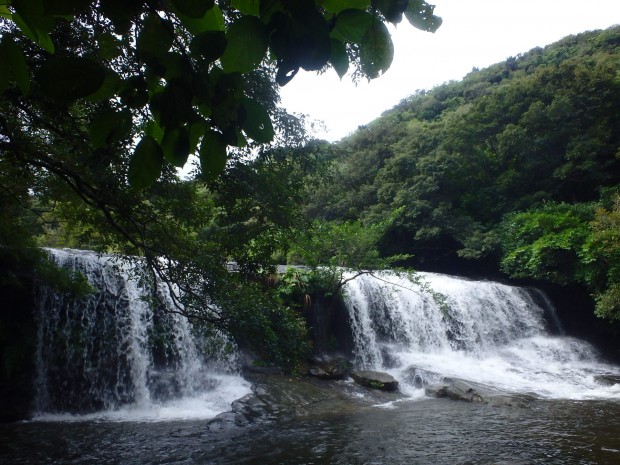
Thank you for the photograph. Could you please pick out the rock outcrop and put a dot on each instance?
(607, 380)
(466, 391)
(278, 397)
(375, 380)
(336, 368)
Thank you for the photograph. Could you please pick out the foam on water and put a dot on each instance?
(501, 336)
(120, 355)
(201, 407)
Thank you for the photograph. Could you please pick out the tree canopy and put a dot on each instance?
(183, 77)
(102, 102)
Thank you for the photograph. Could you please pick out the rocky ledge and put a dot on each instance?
(278, 397)
(466, 391)
(375, 380)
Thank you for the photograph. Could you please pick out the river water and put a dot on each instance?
(428, 431)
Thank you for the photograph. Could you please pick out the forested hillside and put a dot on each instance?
(515, 168)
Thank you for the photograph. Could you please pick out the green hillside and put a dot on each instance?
(514, 168)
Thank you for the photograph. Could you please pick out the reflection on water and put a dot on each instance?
(414, 432)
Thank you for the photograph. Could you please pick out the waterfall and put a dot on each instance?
(436, 326)
(119, 353)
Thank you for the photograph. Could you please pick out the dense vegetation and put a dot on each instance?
(101, 102)
(516, 167)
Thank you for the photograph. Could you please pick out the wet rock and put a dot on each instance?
(419, 378)
(282, 398)
(466, 391)
(455, 390)
(337, 368)
(607, 380)
(375, 380)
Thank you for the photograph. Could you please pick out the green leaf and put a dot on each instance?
(336, 6)
(193, 8)
(70, 78)
(121, 13)
(213, 20)
(146, 164)
(420, 15)
(172, 106)
(196, 130)
(247, 45)
(257, 123)
(175, 145)
(109, 46)
(4, 77)
(352, 25)
(247, 7)
(155, 38)
(339, 58)
(212, 155)
(5, 12)
(15, 66)
(66, 7)
(176, 66)
(109, 87)
(209, 44)
(205, 110)
(154, 130)
(109, 126)
(35, 27)
(392, 10)
(227, 96)
(376, 50)
(133, 92)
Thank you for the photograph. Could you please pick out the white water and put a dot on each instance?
(500, 336)
(119, 355)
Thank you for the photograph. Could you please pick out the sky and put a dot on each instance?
(474, 33)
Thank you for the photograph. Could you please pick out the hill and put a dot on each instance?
(540, 127)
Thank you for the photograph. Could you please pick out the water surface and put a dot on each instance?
(430, 431)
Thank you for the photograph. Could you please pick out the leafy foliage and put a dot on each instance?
(182, 67)
(100, 102)
(603, 255)
(547, 243)
(539, 127)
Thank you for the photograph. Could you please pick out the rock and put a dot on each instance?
(465, 391)
(607, 380)
(277, 397)
(318, 372)
(375, 380)
(420, 378)
(337, 368)
(456, 390)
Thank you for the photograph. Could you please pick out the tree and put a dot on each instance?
(546, 243)
(603, 255)
(180, 75)
(100, 102)
(539, 127)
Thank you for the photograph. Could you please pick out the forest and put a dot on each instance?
(512, 172)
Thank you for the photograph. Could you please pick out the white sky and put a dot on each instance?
(474, 33)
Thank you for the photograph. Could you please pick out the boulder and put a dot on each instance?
(607, 380)
(465, 391)
(375, 380)
(337, 368)
(455, 390)
(419, 377)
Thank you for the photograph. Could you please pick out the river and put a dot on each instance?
(427, 431)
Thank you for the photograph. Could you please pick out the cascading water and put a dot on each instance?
(501, 336)
(115, 354)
